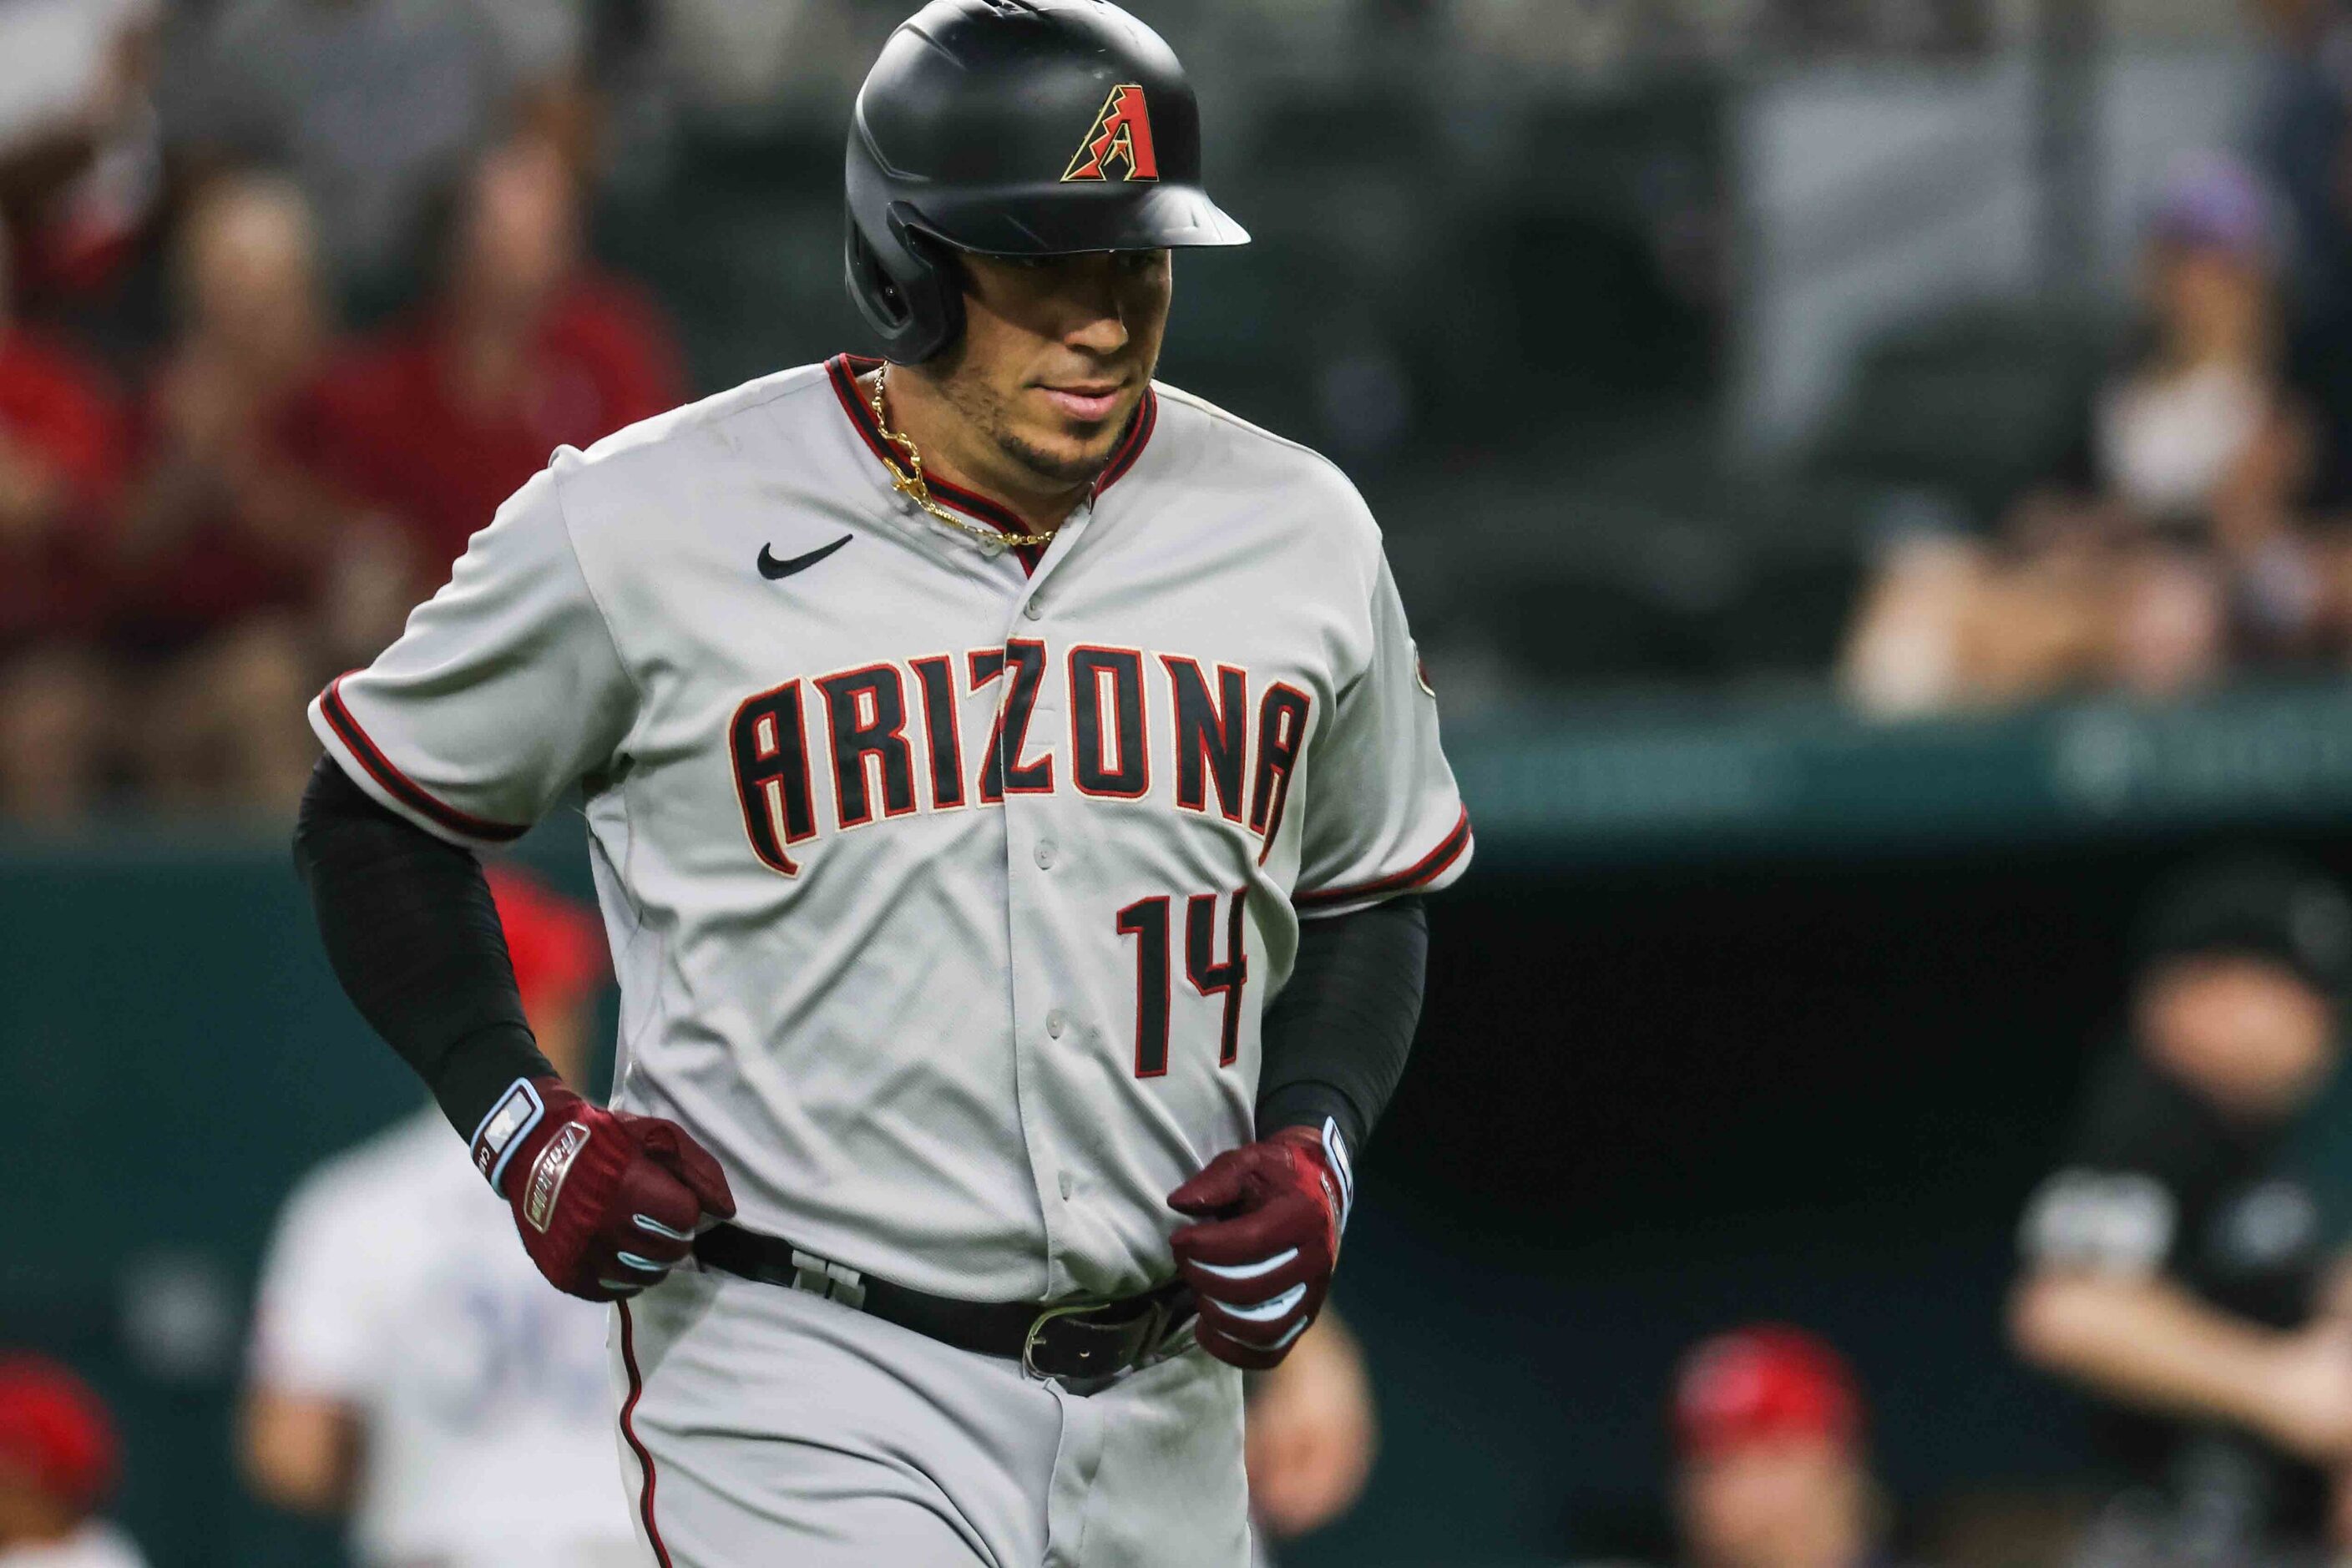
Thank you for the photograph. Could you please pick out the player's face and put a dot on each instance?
(1056, 355)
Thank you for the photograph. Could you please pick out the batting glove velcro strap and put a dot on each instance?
(606, 1202)
(1265, 1239)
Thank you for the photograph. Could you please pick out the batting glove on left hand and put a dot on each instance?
(1260, 1258)
(606, 1202)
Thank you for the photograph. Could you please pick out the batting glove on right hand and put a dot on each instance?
(1260, 1259)
(606, 1202)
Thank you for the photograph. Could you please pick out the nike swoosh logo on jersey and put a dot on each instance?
(775, 571)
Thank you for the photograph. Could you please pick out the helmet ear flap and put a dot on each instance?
(908, 288)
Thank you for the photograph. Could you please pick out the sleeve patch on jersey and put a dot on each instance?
(1427, 869)
(399, 786)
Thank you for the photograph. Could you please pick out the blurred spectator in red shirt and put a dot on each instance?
(1772, 1471)
(62, 463)
(525, 347)
(227, 540)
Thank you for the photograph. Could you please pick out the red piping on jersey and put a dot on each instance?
(629, 1435)
(399, 786)
(844, 369)
(1130, 446)
(1428, 868)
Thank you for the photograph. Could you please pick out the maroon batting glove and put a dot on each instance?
(1260, 1257)
(608, 1203)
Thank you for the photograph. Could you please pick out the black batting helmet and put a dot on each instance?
(1015, 128)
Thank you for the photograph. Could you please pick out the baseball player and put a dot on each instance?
(1008, 782)
(409, 1368)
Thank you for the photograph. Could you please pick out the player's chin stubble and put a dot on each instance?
(986, 411)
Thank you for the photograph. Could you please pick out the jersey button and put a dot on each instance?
(1066, 1184)
(1056, 1023)
(1046, 854)
(1035, 609)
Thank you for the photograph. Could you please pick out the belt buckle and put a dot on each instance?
(1154, 1317)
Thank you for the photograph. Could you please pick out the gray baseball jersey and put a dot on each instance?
(946, 884)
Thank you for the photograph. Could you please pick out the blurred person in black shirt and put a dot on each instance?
(2176, 1266)
(1772, 1470)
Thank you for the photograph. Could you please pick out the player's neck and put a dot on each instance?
(957, 451)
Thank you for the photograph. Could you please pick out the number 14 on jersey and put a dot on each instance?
(1147, 920)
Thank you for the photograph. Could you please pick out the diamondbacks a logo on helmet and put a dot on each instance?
(1121, 134)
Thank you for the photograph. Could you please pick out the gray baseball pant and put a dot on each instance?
(763, 1426)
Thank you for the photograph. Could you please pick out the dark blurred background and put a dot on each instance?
(1868, 478)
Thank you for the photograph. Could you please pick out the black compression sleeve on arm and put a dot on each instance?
(412, 935)
(1334, 1042)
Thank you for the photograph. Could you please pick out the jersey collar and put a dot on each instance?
(844, 369)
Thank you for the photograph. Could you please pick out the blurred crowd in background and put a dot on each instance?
(2197, 522)
(298, 294)
(296, 291)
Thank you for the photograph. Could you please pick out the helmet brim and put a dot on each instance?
(1065, 219)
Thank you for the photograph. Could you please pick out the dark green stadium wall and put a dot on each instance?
(1647, 1103)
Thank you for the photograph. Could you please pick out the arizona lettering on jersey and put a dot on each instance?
(886, 740)
(947, 884)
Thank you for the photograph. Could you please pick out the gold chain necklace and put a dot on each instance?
(909, 482)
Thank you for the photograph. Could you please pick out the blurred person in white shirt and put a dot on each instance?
(439, 1395)
(57, 1463)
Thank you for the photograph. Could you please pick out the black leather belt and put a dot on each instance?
(1072, 1341)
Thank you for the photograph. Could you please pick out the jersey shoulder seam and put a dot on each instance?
(595, 600)
(1225, 416)
(1371, 544)
(744, 399)
(698, 416)
(1377, 538)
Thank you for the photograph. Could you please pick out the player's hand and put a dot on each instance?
(1260, 1257)
(608, 1203)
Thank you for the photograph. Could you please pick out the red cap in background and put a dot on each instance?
(53, 1433)
(1760, 1384)
(557, 944)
